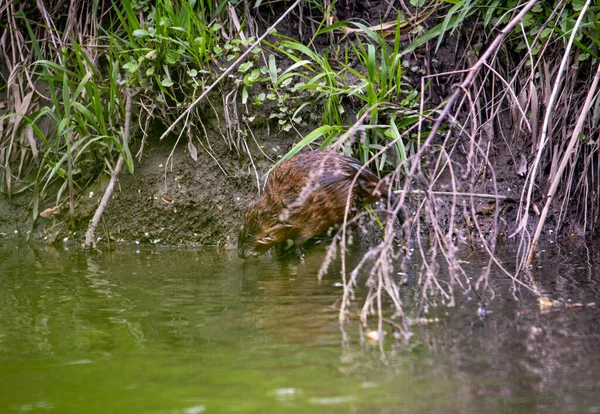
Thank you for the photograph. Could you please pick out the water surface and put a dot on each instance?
(182, 330)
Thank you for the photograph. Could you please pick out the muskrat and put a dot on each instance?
(304, 197)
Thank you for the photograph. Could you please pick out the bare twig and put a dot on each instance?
(454, 194)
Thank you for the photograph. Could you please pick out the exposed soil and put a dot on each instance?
(172, 199)
(182, 200)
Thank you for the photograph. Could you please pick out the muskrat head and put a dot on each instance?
(255, 234)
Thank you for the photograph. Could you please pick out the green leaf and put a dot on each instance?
(315, 134)
(430, 34)
(140, 33)
(244, 96)
(245, 67)
(131, 66)
(272, 68)
(173, 56)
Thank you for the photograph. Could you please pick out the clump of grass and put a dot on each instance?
(85, 109)
(63, 107)
(367, 81)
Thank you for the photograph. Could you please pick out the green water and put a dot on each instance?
(152, 330)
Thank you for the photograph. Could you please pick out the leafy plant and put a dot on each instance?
(367, 77)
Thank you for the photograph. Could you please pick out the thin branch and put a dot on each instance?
(454, 193)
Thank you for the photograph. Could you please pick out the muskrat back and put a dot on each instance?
(304, 197)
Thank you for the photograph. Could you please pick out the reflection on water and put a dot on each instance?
(199, 330)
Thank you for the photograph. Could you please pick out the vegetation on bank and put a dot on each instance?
(373, 90)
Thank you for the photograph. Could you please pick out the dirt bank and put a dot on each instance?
(179, 200)
(173, 199)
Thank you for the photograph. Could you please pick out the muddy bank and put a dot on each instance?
(169, 199)
(173, 199)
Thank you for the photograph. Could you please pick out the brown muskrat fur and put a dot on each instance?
(304, 197)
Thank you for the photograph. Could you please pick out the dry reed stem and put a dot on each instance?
(543, 136)
(563, 163)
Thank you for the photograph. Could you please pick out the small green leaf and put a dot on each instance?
(140, 33)
(245, 67)
(173, 56)
(131, 66)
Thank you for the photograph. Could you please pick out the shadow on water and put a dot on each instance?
(151, 330)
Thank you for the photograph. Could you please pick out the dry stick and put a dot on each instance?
(89, 235)
(563, 163)
(229, 70)
(543, 135)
